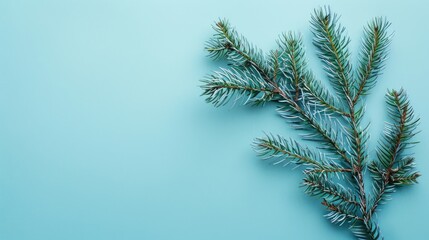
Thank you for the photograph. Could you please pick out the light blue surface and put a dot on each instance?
(103, 134)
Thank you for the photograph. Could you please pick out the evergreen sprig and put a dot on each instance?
(334, 170)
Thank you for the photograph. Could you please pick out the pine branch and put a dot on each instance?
(276, 147)
(238, 46)
(293, 67)
(333, 51)
(398, 134)
(394, 167)
(222, 85)
(340, 213)
(320, 186)
(227, 42)
(293, 62)
(299, 78)
(358, 138)
(373, 55)
(366, 230)
(404, 165)
(319, 96)
(381, 194)
(334, 124)
(332, 48)
(304, 120)
(274, 65)
(405, 179)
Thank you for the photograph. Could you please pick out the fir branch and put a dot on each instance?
(373, 55)
(325, 135)
(284, 152)
(293, 62)
(340, 213)
(299, 78)
(333, 51)
(398, 134)
(319, 96)
(274, 65)
(396, 139)
(404, 165)
(334, 124)
(320, 186)
(275, 147)
(332, 48)
(405, 179)
(227, 42)
(382, 191)
(238, 46)
(358, 138)
(222, 85)
(364, 230)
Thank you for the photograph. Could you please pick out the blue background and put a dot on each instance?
(103, 134)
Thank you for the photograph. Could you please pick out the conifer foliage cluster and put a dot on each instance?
(335, 167)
